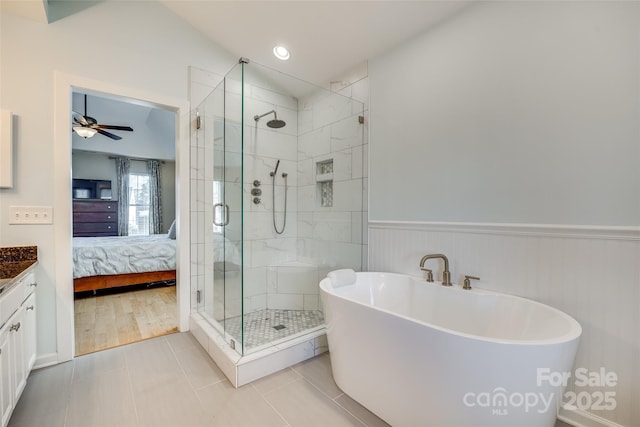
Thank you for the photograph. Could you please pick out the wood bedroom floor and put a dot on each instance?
(107, 321)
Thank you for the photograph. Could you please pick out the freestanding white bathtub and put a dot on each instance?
(421, 354)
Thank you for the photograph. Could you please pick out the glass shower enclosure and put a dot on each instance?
(277, 201)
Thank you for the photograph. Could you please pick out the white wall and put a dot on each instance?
(525, 113)
(152, 58)
(514, 112)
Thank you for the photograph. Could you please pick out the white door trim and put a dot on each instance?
(63, 86)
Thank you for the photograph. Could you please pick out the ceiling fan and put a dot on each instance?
(87, 126)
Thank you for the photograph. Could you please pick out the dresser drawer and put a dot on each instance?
(95, 234)
(95, 206)
(95, 227)
(95, 217)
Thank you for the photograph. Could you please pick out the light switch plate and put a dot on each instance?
(30, 215)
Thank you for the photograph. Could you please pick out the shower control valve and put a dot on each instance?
(256, 200)
(256, 192)
(256, 183)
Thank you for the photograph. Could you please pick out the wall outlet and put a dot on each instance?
(30, 215)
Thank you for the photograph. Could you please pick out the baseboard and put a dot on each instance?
(44, 360)
(578, 418)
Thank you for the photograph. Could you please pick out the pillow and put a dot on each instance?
(172, 230)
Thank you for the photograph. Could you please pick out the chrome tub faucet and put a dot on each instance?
(446, 274)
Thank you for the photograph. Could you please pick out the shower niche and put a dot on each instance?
(256, 264)
(324, 178)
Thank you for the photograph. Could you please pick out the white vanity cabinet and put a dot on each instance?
(6, 384)
(17, 342)
(29, 307)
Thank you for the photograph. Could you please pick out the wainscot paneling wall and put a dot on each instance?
(510, 114)
(591, 274)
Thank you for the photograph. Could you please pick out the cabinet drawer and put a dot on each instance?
(95, 217)
(29, 284)
(11, 300)
(95, 206)
(95, 227)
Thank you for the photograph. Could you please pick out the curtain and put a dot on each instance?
(122, 172)
(155, 205)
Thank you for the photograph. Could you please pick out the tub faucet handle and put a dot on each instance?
(467, 281)
(429, 274)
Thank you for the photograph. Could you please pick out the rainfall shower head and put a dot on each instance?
(275, 123)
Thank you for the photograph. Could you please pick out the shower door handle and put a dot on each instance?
(225, 215)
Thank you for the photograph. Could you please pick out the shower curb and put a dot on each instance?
(242, 370)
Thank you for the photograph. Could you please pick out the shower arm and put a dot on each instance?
(258, 117)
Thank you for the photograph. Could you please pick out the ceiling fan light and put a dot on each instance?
(84, 131)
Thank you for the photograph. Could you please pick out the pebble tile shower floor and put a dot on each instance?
(264, 326)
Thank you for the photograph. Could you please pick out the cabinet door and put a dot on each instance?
(6, 374)
(29, 307)
(16, 343)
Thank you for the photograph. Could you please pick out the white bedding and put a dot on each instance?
(95, 256)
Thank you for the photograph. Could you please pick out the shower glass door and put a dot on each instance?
(217, 160)
(228, 243)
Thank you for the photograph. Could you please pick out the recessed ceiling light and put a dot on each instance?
(281, 52)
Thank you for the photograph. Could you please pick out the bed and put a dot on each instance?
(108, 262)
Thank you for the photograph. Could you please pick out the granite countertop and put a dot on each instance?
(14, 261)
(9, 270)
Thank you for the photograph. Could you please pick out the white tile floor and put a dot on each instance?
(171, 381)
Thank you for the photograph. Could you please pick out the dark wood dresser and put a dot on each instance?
(92, 217)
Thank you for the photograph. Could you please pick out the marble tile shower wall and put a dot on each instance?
(281, 271)
(329, 130)
(264, 249)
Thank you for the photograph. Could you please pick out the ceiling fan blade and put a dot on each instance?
(79, 118)
(114, 127)
(108, 134)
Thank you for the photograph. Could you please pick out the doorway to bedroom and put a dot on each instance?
(123, 209)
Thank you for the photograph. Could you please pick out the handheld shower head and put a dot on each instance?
(276, 169)
(275, 123)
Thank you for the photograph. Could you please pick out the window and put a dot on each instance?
(139, 201)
